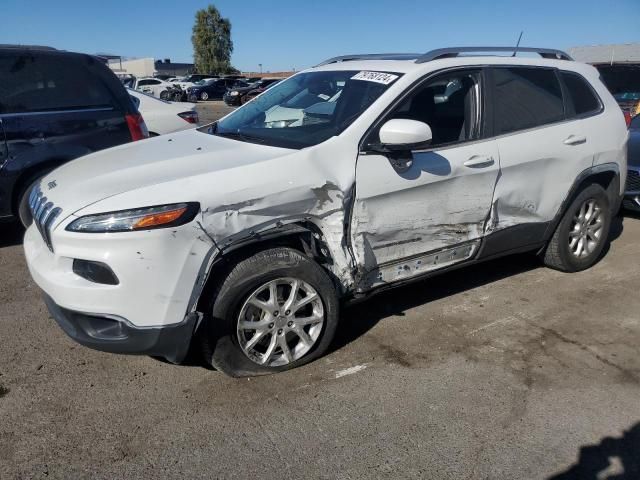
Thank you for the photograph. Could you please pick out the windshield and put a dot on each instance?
(306, 109)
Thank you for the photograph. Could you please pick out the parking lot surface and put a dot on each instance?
(503, 370)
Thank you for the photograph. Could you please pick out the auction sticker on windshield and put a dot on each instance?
(378, 77)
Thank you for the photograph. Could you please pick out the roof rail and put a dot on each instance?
(371, 56)
(456, 51)
(26, 47)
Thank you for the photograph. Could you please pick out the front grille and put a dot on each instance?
(633, 181)
(44, 214)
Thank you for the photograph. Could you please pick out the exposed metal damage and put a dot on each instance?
(324, 207)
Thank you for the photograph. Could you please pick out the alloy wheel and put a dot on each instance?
(280, 322)
(586, 229)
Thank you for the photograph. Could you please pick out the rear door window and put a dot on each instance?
(525, 97)
(581, 98)
(38, 83)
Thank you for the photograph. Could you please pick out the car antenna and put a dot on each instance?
(515, 50)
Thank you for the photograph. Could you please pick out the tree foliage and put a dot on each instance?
(212, 45)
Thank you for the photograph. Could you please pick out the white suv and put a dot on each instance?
(362, 173)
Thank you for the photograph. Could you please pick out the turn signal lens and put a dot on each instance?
(157, 219)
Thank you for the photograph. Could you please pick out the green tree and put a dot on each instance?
(212, 45)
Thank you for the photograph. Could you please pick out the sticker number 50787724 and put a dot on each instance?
(378, 77)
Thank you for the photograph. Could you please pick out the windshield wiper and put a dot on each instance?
(240, 136)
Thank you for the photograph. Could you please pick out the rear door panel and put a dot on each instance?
(542, 155)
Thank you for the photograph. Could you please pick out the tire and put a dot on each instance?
(222, 337)
(164, 95)
(563, 251)
(204, 96)
(23, 210)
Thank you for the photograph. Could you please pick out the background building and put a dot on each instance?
(619, 64)
(147, 67)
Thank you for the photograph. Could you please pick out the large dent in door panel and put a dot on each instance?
(533, 192)
(419, 224)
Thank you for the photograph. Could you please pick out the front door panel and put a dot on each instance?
(438, 202)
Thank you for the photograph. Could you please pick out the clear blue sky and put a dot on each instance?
(286, 34)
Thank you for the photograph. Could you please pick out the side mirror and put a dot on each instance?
(403, 134)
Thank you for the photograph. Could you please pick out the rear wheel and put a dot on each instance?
(274, 311)
(582, 233)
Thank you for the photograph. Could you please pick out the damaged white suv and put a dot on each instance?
(362, 173)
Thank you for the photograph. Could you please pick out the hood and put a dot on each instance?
(95, 177)
(634, 148)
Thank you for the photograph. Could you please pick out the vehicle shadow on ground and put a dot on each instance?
(358, 319)
(11, 234)
(612, 458)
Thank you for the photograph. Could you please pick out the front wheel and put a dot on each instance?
(204, 96)
(164, 95)
(274, 311)
(582, 233)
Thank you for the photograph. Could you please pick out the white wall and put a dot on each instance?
(140, 67)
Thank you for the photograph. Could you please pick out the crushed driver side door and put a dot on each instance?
(430, 211)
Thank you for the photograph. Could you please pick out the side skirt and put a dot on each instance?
(517, 239)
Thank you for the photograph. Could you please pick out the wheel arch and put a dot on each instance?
(606, 175)
(304, 236)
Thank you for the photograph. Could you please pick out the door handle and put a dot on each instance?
(574, 140)
(479, 161)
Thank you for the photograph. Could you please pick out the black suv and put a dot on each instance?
(55, 106)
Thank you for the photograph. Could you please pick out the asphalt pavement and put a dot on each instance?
(506, 370)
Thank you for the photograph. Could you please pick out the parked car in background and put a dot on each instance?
(629, 104)
(245, 235)
(55, 106)
(152, 86)
(632, 194)
(191, 80)
(162, 116)
(213, 89)
(240, 95)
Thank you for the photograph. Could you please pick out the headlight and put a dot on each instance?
(234, 94)
(148, 218)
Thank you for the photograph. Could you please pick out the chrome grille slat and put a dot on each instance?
(44, 214)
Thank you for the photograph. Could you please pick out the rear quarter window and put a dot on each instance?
(581, 98)
(525, 97)
(34, 83)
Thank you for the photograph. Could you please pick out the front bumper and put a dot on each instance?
(108, 333)
(632, 190)
(157, 271)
